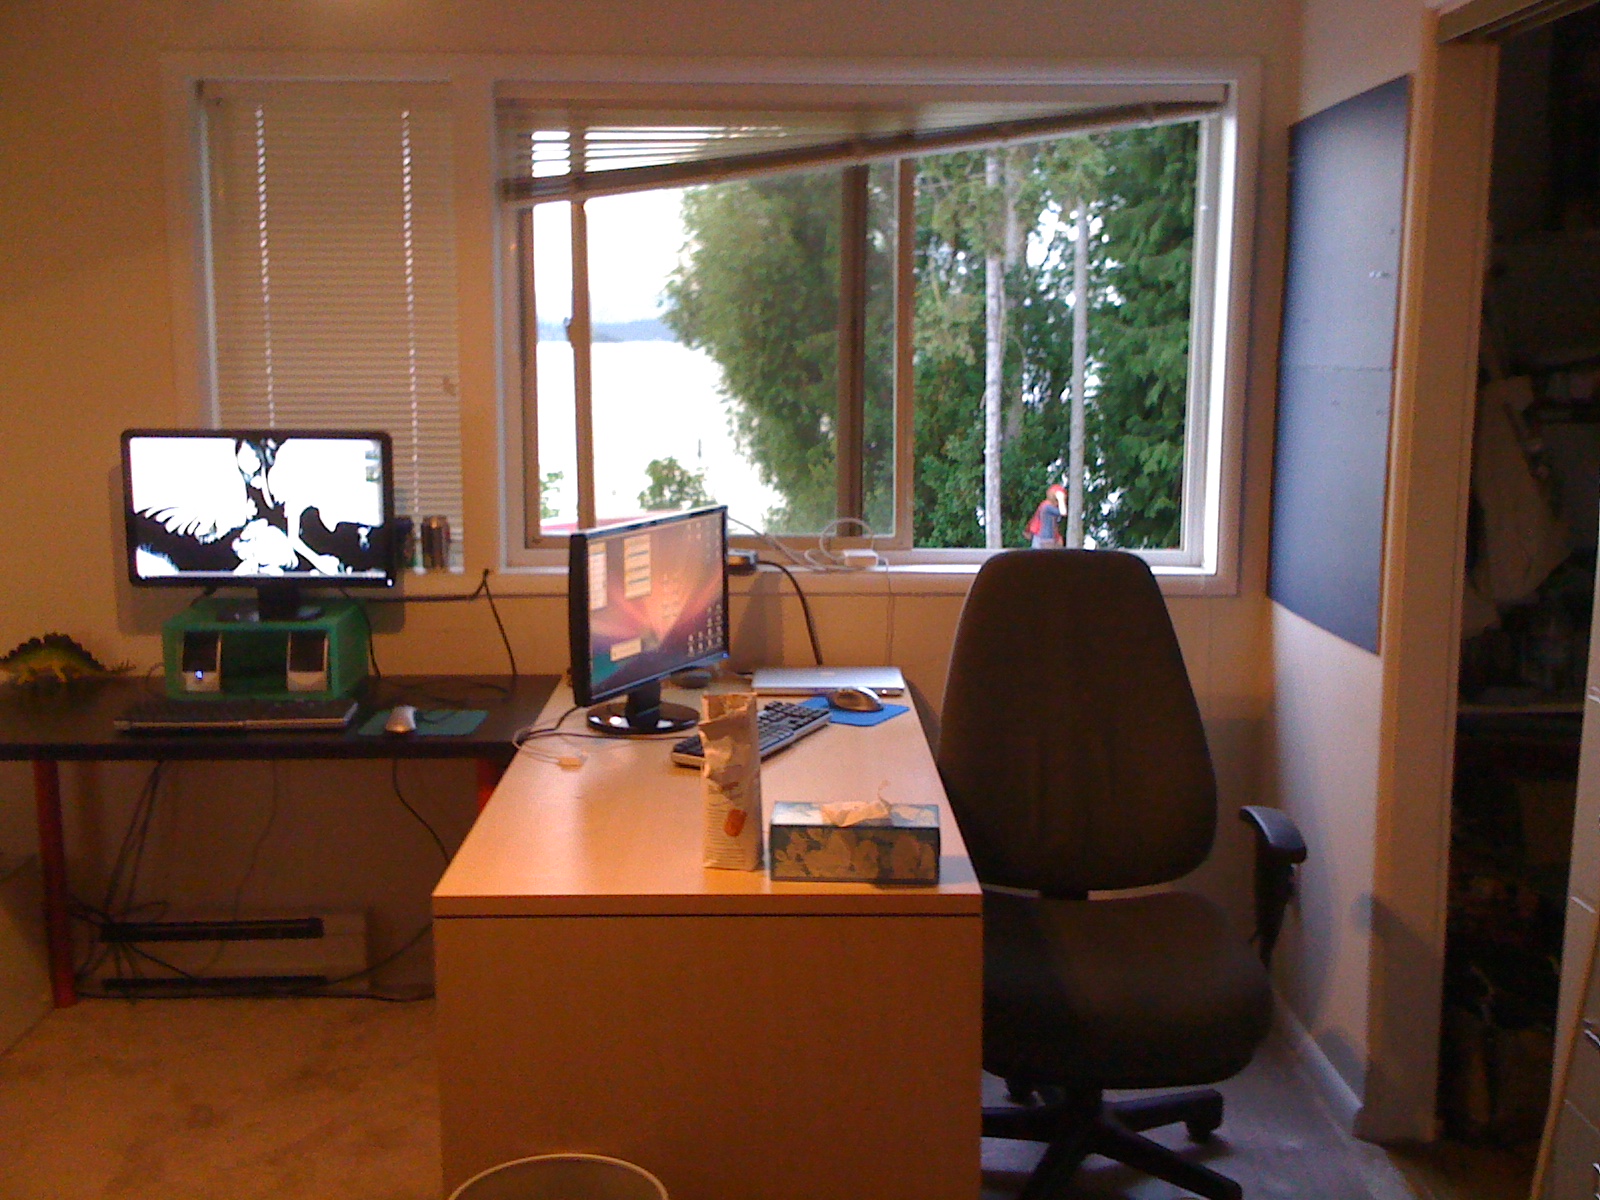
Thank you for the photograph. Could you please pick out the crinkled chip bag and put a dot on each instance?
(731, 777)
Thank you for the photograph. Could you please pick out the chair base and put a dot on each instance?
(1076, 1126)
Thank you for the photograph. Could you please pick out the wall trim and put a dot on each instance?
(1334, 1090)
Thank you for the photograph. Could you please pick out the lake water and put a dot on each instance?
(652, 400)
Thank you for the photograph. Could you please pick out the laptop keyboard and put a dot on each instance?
(778, 724)
(168, 715)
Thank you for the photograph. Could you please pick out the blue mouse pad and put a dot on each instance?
(431, 722)
(840, 716)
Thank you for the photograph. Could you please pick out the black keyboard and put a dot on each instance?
(167, 715)
(778, 724)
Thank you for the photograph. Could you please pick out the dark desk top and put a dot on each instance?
(75, 723)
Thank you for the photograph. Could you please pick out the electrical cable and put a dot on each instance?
(505, 640)
(888, 620)
(394, 778)
(805, 606)
(130, 855)
(532, 731)
(133, 843)
(372, 642)
(771, 541)
(829, 561)
(453, 598)
(249, 866)
(122, 890)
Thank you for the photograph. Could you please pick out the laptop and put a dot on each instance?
(813, 681)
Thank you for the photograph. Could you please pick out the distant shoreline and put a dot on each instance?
(648, 330)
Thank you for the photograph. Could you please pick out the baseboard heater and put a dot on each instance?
(224, 955)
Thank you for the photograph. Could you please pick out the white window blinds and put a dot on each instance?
(573, 151)
(332, 253)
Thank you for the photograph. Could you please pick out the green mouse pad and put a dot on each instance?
(431, 722)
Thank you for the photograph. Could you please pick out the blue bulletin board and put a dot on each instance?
(1336, 361)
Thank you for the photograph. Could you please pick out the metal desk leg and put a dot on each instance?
(489, 773)
(53, 866)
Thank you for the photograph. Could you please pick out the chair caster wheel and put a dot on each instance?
(1201, 1131)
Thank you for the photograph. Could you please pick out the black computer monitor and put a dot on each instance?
(274, 510)
(646, 598)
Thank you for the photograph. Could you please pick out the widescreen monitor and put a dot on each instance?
(646, 598)
(273, 510)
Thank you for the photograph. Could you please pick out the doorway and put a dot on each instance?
(1535, 507)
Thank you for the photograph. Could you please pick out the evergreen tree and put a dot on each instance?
(757, 289)
(1139, 337)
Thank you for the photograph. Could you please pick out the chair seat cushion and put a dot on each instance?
(1144, 991)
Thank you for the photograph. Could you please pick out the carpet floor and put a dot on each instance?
(320, 1099)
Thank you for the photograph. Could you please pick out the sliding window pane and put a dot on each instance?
(754, 290)
(1010, 217)
(556, 403)
(877, 452)
(664, 437)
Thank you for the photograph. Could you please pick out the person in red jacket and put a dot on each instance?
(1045, 527)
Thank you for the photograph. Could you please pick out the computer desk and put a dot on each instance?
(599, 990)
(52, 725)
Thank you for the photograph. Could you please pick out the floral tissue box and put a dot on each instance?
(891, 843)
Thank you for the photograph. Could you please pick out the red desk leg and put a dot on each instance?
(53, 864)
(489, 773)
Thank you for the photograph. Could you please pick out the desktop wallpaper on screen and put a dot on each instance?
(257, 506)
(655, 601)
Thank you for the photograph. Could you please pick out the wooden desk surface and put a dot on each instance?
(622, 833)
(600, 990)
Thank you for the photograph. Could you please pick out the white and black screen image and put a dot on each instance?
(256, 506)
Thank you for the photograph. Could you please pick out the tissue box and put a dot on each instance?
(900, 848)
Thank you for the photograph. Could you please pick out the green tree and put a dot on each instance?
(1139, 337)
(757, 289)
(959, 220)
(547, 490)
(673, 486)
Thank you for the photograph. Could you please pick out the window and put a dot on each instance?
(332, 271)
(861, 318)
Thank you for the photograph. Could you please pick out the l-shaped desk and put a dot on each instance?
(52, 725)
(600, 990)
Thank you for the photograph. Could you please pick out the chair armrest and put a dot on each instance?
(1279, 848)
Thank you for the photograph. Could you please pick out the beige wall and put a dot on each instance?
(1327, 704)
(1365, 762)
(1348, 46)
(87, 349)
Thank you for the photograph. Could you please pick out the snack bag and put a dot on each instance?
(731, 777)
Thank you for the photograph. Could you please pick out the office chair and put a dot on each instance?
(1075, 761)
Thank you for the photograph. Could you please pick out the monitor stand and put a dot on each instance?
(274, 602)
(641, 713)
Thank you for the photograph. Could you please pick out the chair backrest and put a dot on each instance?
(563, 1177)
(1072, 748)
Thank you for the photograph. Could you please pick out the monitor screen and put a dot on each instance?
(646, 598)
(255, 507)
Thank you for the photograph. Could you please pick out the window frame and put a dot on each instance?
(490, 435)
(1208, 560)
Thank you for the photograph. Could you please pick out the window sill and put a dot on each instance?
(900, 579)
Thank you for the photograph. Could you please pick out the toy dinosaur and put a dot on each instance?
(56, 658)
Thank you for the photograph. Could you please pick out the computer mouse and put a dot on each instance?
(402, 719)
(855, 699)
